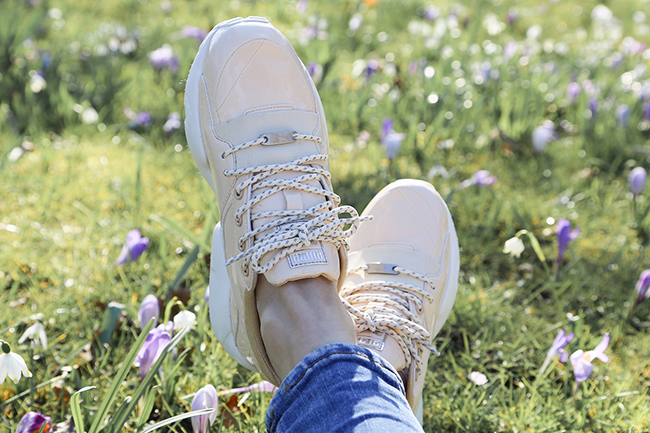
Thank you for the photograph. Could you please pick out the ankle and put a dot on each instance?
(299, 317)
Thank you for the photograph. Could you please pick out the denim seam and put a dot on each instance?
(288, 387)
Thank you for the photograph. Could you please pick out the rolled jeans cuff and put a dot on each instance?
(341, 387)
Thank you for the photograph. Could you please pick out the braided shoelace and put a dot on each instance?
(383, 306)
(294, 229)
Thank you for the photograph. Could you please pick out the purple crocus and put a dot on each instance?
(513, 14)
(163, 58)
(573, 90)
(206, 295)
(315, 71)
(510, 50)
(373, 66)
(581, 360)
(593, 106)
(622, 114)
(646, 111)
(193, 32)
(205, 398)
(560, 342)
(149, 309)
(643, 287)
(134, 247)
(480, 178)
(431, 13)
(390, 139)
(151, 350)
(542, 135)
(564, 236)
(636, 179)
(32, 422)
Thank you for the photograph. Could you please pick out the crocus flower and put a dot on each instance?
(193, 32)
(163, 58)
(206, 295)
(513, 14)
(542, 135)
(478, 378)
(581, 360)
(133, 248)
(593, 106)
(355, 22)
(573, 90)
(564, 236)
(636, 179)
(151, 349)
(35, 332)
(184, 319)
(137, 119)
(622, 114)
(514, 246)
(643, 286)
(646, 111)
(315, 71)
(205, 398)
(431, 13)
(12, 365)
(390, 139)
(373, 66)
(173, 122)
(32, 422)
(149, 309)
(480, 178)
(560, 342)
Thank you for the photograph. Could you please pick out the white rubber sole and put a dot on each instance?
(220, 289)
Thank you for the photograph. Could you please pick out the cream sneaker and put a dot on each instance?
(402, 278)
(256, 129)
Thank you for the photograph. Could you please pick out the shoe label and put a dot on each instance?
(374, 341)
(307, 256)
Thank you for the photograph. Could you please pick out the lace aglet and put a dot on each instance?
(435, 351)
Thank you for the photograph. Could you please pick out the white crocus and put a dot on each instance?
(478, 378)
(12, 365)
(184, 319)
(514, 247)
(35, 332)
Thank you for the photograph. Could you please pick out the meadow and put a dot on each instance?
(532, 118)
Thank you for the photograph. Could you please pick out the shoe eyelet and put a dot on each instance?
(240, 245)
(223, 155)
(239, 194)
(238, 222)
(245, 271)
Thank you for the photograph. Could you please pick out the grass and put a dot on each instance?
(68, 203)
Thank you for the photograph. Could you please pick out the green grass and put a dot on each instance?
(73, 198)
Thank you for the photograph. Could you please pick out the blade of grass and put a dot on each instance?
(109, 398)
(75, 408)
(179, 231)
(177, 418)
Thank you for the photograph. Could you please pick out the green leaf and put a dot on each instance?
(177, 418)
(75, 408)
(109, 398)
(120, 418)
(179, 231)
(189, 261)
(147, 407)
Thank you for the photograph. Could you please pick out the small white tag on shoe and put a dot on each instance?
(372, 341)
(308, 256)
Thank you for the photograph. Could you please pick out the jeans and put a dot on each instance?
(341, 388)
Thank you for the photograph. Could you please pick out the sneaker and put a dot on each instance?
(256, 129)
(402, 278)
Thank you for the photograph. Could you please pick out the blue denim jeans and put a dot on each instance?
(341, 388)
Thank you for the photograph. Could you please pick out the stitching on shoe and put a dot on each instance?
(263, 40)
(266, 108)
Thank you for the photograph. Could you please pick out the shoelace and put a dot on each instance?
(294, 229)
(364, 303)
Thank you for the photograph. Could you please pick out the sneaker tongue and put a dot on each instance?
(318, 259)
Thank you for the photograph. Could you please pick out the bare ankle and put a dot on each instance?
(299, 317)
